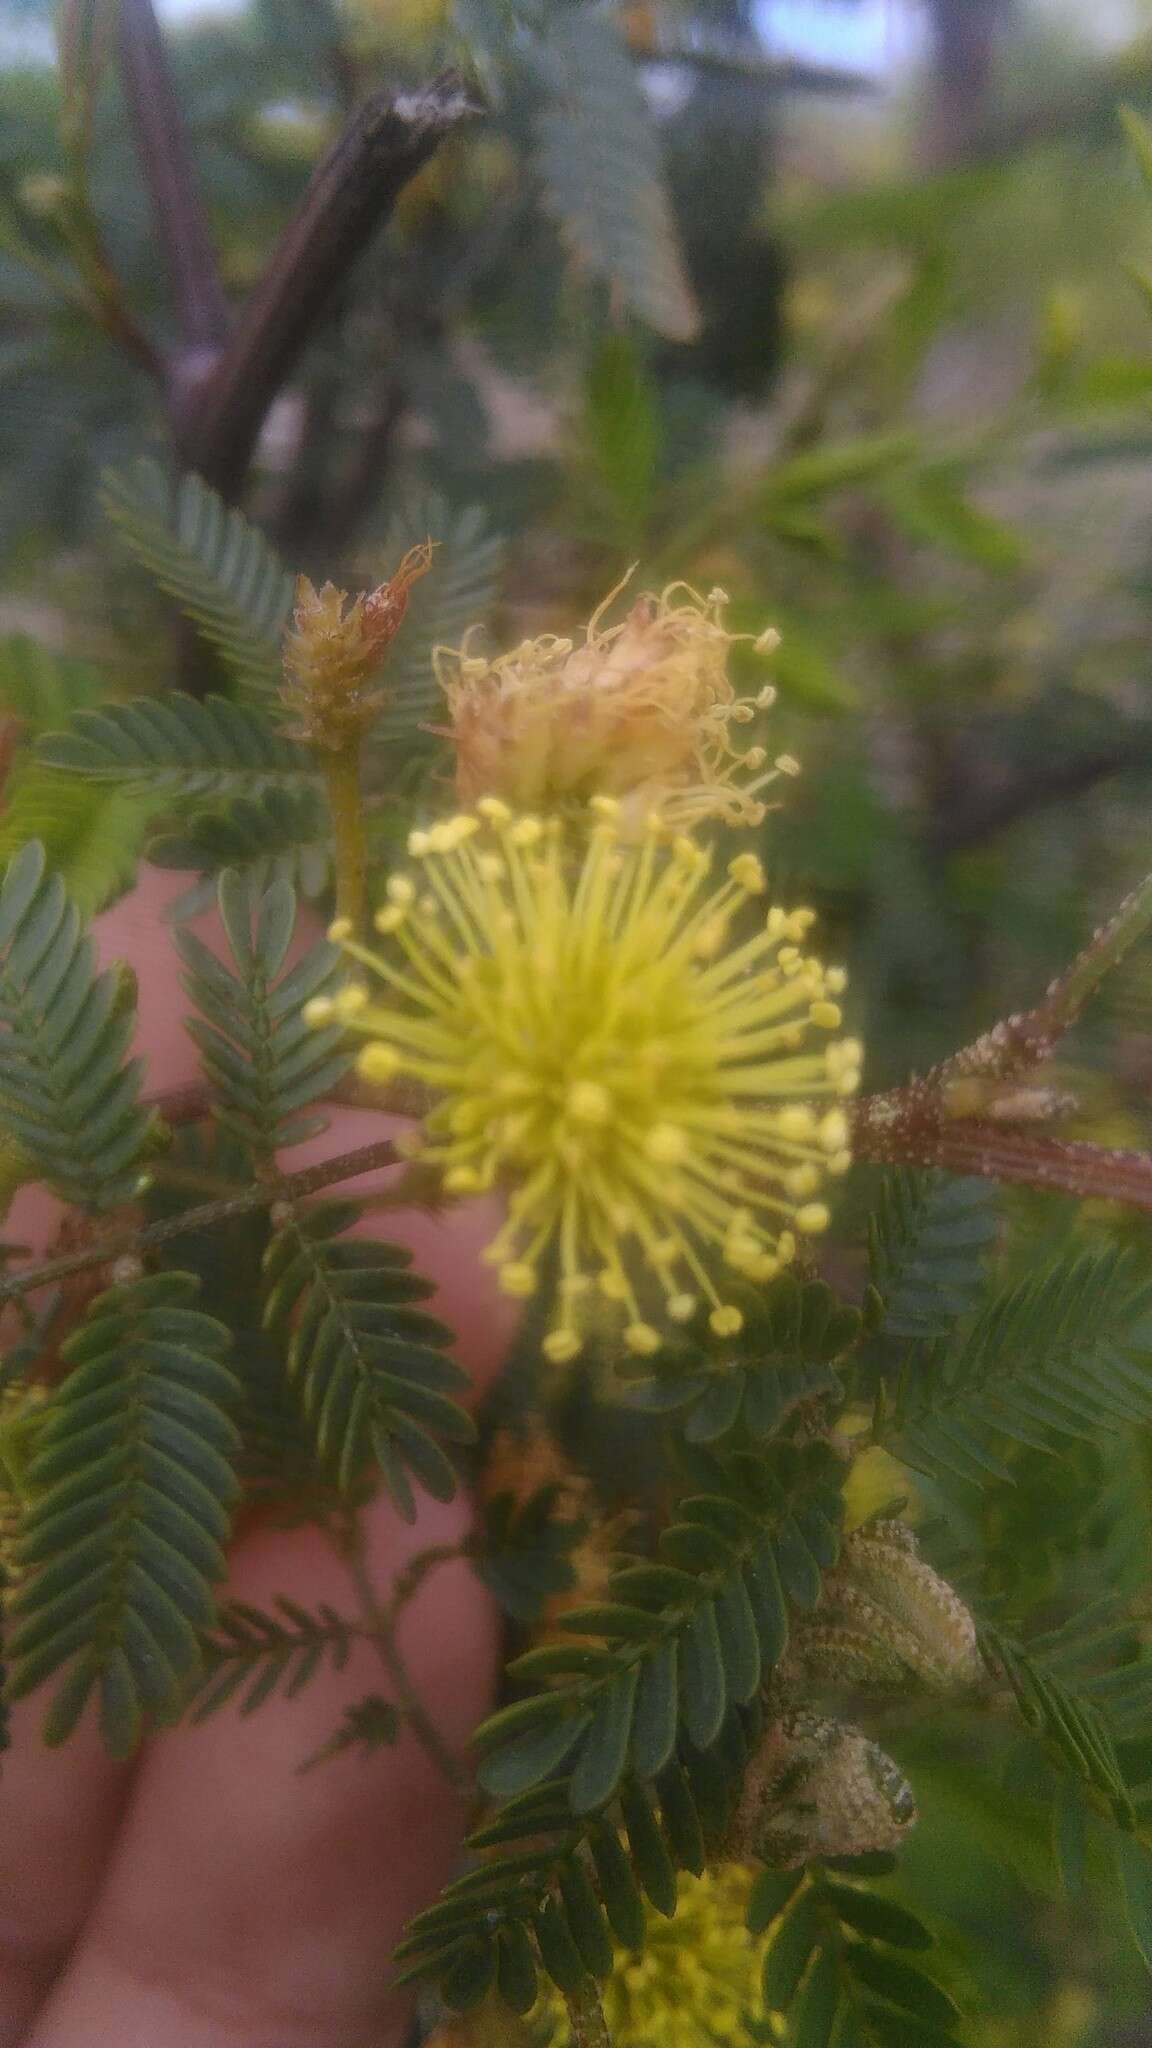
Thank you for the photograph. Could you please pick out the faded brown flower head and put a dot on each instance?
(334, 647)
(643, 711)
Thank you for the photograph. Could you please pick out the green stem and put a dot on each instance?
(342, 776)
(381, 1627)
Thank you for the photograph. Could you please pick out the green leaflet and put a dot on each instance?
(266, 1066)
(1065, 1718)
(376, 1384)
(601, 164)
(69, 1097)
(260, 1655)
(131, 1491)
(181, 746)
(217, 567)
(928, 1242)
(1066, 1352)
(838, 1965)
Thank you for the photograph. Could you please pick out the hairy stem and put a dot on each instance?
(290, 1187)
(380, 1621)
(586, 2018)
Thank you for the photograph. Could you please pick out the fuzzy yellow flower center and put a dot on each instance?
(637, 1052)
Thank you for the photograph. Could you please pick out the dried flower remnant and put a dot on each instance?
(334, 646)
(643, 711)
(659, 1096)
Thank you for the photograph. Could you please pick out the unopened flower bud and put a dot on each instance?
(335, 646)
(819, 1788)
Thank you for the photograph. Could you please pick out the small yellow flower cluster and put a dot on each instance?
(642, 711)
(697, 1981)
(639, 1052)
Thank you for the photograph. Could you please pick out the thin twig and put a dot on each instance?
(289, 1188)
(959, 1115)
(382, 1630)
(975, 813)
(1024, 1158)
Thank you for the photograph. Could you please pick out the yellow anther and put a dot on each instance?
(518, 1279)
(526, 832)
(390, 918)
(378, 1063)
(605, 806)
(788, 764)
(351, 1000)
(642, 1339)
(612, 1284)
(666, 1145)
(812, 1218)
(764, 1268)
(796, 1123)
(339, 930)
(826, 1016)
(401, 890)
(726, 1321)
(682, 1307)
(749, 873)
(561, 1344)
(833, 1131)
(803, 1180)
(710, 938)
(463, 1180)
(495, 810)
(588, 1102)
(835, 980)
(320, 1010)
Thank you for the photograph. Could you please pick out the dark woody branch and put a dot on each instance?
(349, 198)
(166, 161)
(221, 385)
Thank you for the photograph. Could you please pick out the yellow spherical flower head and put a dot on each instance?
(643, 711)
(656, 1092)
(697, 1981)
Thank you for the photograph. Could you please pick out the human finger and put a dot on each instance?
(248, 1907)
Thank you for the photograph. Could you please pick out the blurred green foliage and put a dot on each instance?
(666, 305)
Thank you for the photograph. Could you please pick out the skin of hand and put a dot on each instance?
(205, 1895)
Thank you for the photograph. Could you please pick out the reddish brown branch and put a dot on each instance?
(291, 1187)
(888, 1130)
